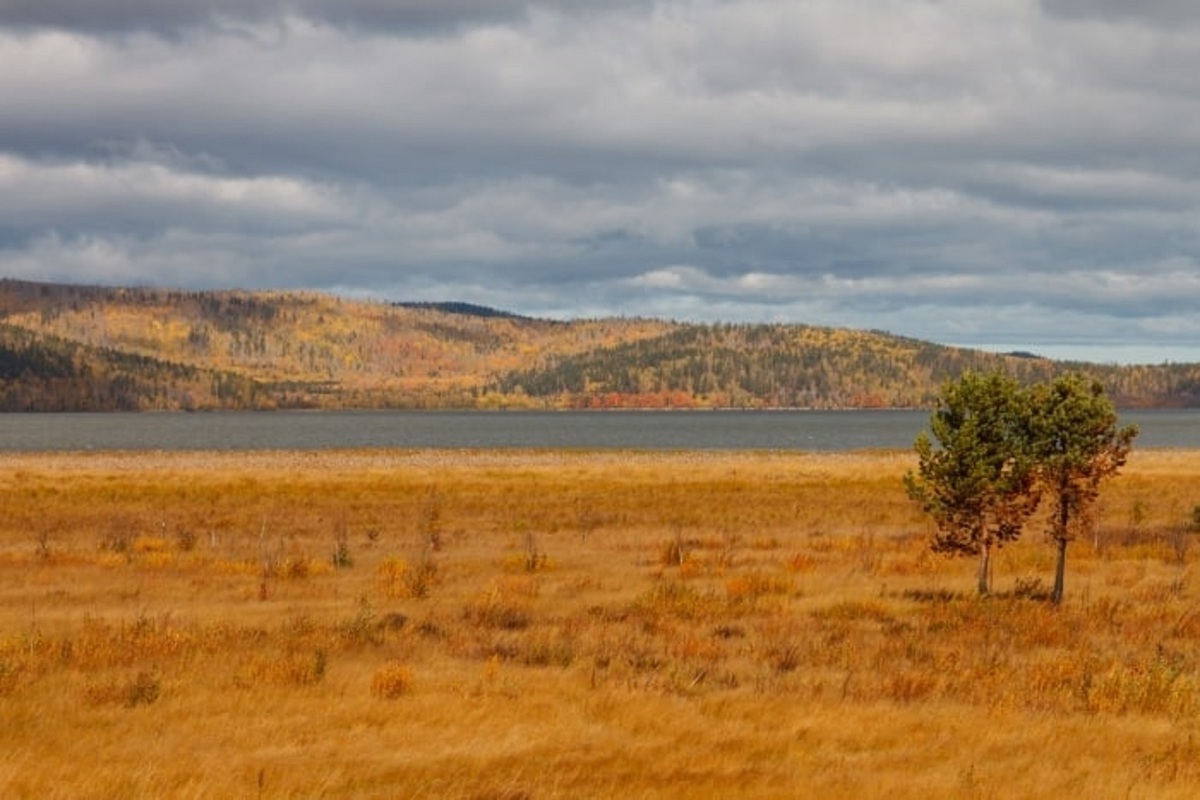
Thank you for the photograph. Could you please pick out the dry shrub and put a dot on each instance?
(907, 564)
(281, 669)
(673, 552)
(10, 674)
(681, 601)
(395, 578)
(548, 649)
(1156, 687)
(526, 561)
(1159, 592)
(150, 544)
(855, 611)
(506, 604)
(101, 644)
(751, 586)
(111, 560)
(185, 540)
(362, 629)
(1125, 576)
(392, 680)
(1038, 624)
(694, 647)
(157, 559)
(301, 567)
(220, 637)
(909, 686)
(228, 566)
(142, 689)
(784, 656)
(800, 562)
(294, 568)
(1178, 761)
(1059, 684)
(1187, 624)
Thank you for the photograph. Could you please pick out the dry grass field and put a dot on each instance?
(551, 624)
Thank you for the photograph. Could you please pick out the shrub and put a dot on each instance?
(673, 552)
(396, 578)
(392, 680)
(341, 549)
(362, 628)
(8, 678)
(547, 650)
(142, 689)
(282, 669)
(753, 585)
(505, 605)
(185, 540)
(800, 562)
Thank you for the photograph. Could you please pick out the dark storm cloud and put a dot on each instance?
(1015, 172)
(1152, 12)
(174, 17)
(117, 16)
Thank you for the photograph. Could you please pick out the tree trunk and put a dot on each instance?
(985, 570)
(1060, 535)
(1060, 570)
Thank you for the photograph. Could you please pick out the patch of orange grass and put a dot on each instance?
(698, 624)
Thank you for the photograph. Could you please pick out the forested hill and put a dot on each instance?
(66, 347)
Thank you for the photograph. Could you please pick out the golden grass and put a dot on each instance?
(553, 624)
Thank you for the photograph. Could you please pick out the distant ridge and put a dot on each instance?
(466, 309)
(72, 348)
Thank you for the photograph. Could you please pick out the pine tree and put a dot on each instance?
(978, 481)
(1077, 444)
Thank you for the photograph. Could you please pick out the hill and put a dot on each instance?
(66, 347)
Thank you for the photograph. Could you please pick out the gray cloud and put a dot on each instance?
(1014, 173)
(1146, 12)
(173, 18)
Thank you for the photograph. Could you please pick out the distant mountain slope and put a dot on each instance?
(306, 349)
(469, 309)
(792, 366)
(86, 347)
(44, 373)
(801, 366)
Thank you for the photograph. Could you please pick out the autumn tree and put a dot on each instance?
(1075, 439)
(978, 479)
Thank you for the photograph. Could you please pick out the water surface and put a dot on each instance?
(650, 430)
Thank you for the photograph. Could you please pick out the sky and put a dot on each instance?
(1002, 174)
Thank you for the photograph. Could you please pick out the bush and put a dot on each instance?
(392, 680)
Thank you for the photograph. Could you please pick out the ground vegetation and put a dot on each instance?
(547, 624)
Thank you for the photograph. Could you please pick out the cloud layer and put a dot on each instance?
(1008, 174)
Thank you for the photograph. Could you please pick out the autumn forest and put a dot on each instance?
(74, 348)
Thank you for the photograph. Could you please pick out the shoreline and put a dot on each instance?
(278, 465)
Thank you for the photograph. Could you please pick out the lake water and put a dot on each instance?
(650, 430)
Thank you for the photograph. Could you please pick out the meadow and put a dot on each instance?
(536, 624)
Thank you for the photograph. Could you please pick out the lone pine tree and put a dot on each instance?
(1075, 439)
(978, 481)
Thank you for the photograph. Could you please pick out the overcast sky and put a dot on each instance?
(1009, 174)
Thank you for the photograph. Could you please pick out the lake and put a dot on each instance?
(650, 430)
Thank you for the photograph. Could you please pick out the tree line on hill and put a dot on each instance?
(66, 347)
(799, 366)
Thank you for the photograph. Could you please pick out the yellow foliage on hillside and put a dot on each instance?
(361, 346)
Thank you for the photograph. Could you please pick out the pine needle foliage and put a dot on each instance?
(1077, 444)
(978, 482)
